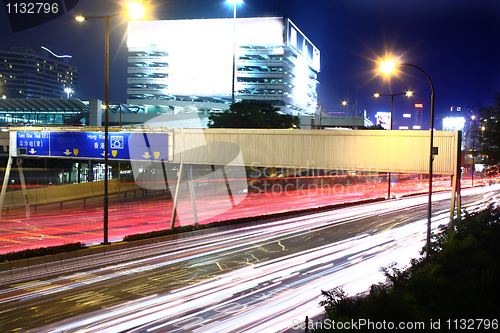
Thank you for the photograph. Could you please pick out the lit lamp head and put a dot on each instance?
(409, 93)
(473, 117)
(388, 67)
(376, 95)
(136, 10)
(234, 2)
(68, 91)
(80, 18)
(344, 103)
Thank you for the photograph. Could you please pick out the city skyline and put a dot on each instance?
(453, 44)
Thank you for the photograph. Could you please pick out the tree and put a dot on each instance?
(490, 137)
(375, 127)
(459, 279)
(252, 115)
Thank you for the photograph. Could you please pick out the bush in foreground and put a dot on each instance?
(460, 279)
(42, 251)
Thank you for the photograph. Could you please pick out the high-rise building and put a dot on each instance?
(35, 72)
(186, 66)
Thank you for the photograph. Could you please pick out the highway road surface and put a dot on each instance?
(263, 278)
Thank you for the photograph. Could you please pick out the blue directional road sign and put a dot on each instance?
(148, 146)
(90, 145)
(35, 143)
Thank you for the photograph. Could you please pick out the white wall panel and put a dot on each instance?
(368, 150)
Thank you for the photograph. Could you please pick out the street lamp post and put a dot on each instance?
(389, 67)
(135, 11)
(234, 3)
(473, 170)
(408, 94)
(347, 111)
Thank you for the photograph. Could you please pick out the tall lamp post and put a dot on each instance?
(345, 103)
(408, 94)
(473, 170)
(234, 3)
(136, 11)
(387, 67)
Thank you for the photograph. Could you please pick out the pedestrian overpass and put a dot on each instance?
(226, 150)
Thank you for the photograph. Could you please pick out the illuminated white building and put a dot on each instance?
(185, 66)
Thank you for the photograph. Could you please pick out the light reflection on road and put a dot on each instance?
(265, 295)
(51, 224)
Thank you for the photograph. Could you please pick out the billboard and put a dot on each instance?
(453, 124)
(384, 119)
(201, 51)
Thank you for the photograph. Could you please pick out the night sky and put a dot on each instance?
(456, 42)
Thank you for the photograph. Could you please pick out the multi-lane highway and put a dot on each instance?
(255, 279)
(50, 225)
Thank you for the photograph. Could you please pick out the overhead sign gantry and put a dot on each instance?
(139, 146)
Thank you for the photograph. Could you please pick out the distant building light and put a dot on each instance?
(403, 127)
(416, 127)
(406, 115)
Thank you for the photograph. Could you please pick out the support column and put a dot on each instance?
(193, 197)
(5, 183)
(453, 196)
(459, 174)
(23, 186)
(228, 187)
(176, 196)
(455, 180)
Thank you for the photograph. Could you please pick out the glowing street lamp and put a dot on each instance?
(389, 67)
(136, 11)
(408, 94)
(345, 103)
(68, 91)
(234, 3)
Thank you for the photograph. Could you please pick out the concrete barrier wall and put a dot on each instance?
(40, 196)
(18, 198)
(68, 192)
(53, 194)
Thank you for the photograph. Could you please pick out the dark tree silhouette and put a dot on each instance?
(252, 115)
